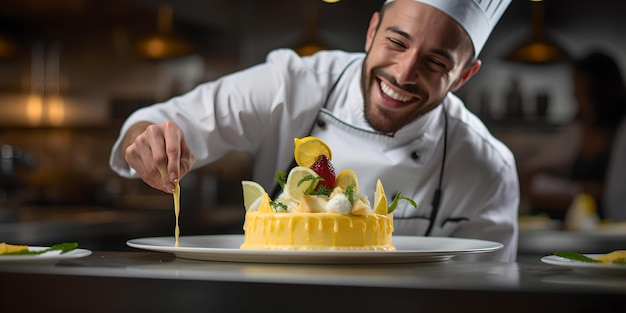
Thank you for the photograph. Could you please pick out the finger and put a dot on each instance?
(187, 158)
(135, 161)
(151, 150)
(173, 142)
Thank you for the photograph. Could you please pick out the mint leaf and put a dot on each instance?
(278, 206)
(349, 192)
(394, 203)
(64, 247)
(312, 190)
(575, 256)
(281, 179)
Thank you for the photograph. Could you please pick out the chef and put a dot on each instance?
(389, 113)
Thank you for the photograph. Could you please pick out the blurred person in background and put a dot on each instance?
(577, 159)
(615, 189)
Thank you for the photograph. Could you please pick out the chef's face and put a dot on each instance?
(415, 55)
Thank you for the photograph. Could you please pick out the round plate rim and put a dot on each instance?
(310, 256)
(560, 261)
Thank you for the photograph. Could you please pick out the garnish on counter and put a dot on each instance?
(615, 257)
(575, 256)
(23, 250)
(6, 248)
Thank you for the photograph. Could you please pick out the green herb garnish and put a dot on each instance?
(281, 179)
(312, 190)
(397, 197)
(575, 256)
(349, 192)
(311, 178)
(278, 206)
(320, 191)
(64, 247)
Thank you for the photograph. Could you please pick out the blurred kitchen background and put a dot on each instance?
(72, 70)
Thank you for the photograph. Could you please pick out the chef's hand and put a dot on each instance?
(158, 152)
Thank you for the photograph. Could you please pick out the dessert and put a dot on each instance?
(317, 209)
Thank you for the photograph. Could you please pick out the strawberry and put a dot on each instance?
(324, 169)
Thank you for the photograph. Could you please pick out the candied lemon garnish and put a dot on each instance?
(380, 199)
(308, 149)
(347, 178)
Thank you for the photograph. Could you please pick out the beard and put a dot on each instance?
(380, 118)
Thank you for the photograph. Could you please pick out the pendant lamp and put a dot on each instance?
(539, 48)
(164, 43)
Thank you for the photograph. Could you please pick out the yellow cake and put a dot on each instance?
(307, 216)
(267, 229)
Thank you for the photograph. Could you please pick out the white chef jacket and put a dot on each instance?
(262, 109)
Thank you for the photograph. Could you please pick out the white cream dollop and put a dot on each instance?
(339, 204)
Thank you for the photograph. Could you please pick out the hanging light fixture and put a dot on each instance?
(164, 43)
(7, 48)
(311, 43)
(538, 49)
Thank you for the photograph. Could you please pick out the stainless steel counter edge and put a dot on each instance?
(144, 281)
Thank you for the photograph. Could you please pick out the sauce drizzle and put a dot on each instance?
(176, 195)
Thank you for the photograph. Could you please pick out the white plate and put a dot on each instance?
(48, 257)
(410, 249)
(586, 267)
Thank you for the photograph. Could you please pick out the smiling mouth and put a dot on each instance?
(386, 89)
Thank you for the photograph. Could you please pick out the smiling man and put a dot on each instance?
(408, 70)
(388, 114)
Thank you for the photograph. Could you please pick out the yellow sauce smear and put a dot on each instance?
(176, 194)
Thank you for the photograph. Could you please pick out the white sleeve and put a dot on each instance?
(235, 113)
(497, 219)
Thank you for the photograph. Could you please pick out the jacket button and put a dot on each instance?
(415, 156)
(321, 123)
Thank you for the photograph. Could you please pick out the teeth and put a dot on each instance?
(394, 95)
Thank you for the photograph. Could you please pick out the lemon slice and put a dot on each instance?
(9, 248)
(380, 199)
(347, 178)
(307, 150)
(252, 193)
(618, 256)
(292, 190)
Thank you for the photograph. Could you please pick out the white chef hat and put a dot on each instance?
(477, 17)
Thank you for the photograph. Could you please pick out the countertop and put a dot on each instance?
(140, 281)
